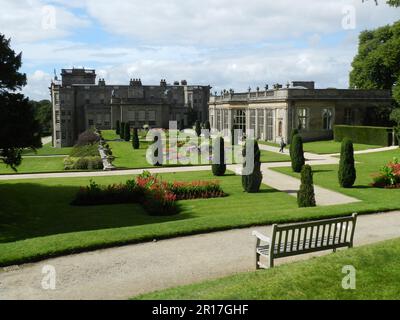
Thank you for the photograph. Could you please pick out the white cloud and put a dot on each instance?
(38, 84)
(35, 20)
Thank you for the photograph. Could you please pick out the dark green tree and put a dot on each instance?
(376, 66)
(219, 163)
(44, 115)
(293, 133)
(18, 127)
(395, 116)
(135, 139)
(198, 128)
(118, 128)
(297, 153)
(207, 127)
(252, 182)
(306, 195)
(347, 169)
(122, 131)
(127, 134)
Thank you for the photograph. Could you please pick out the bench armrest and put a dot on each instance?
(261, 237)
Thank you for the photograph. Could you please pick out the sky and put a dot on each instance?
(223, 43)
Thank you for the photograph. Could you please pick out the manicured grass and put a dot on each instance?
(37, 221)
(36, 165)
(47, 150)
(377, 277)
(329, 147)
(369, 164)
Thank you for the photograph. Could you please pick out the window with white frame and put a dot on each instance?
(219, 120)
(226, 119)
(260, 119)
(240, 119)
(253, 119)
(302, 118)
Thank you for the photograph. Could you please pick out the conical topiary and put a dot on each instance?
(198, 128)
(122, 130)
(118, 128)
(218, 164)
(306, 195)
(127, 134)
(252, 182)
(297, 154)
(294, 132)
(347, 169)
(135, 139)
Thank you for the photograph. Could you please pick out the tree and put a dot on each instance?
(252, 182)
(44, 115)
(127, 134)
(392, 3)
(219, 164)
(347, 170)
(135, 139)
(395, 116)
(18, 127)
(306, 194)
(118, 128)
(376, 65)
(293, 133)
(207, 127)
(122, 131)
(198, 128)
(297, 153)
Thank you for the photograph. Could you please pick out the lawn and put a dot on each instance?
(319, 278)
(35, 165)
(37, 221)
(47, 150)
(329, 147)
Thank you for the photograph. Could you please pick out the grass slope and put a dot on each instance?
(377, 277)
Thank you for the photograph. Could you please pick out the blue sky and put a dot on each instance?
(224, 43)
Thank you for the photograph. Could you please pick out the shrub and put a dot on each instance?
(122, 131)
(198, 128)
(159, 201)
(306, 195)
(218, 161)
(135, 139)
(118, 127)
(347, 170)
(252, 182)
(87, 138)
(389, 176)
(380, 136)
(83, 163)
(207, 125)
(95, 163)
(293, 134)
(297, 153)
(196, 190)
(127, 134)
(91, 150)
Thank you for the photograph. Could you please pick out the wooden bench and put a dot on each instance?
(300, 238)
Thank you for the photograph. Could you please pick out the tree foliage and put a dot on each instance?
(376, 66)
(127, 133)
(219, 163)
(43, 114)
(297, 153)
(252, 182)
(306, 194)
(135, 139)
(118, 128)
(19, 128)
(347, 171)
(198, 128)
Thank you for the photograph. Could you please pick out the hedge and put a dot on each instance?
(380, 136)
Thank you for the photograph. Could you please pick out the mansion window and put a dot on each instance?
(219, 120)
(327, 119)
(142, 115)
(260, 117)
(302, 117)
(58, 118)
(253, 120)
(226, 119)
(152, 116)
(240, 119)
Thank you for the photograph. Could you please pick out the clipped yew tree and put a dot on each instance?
(294, 132)
(118, 127)
(252, 182)
(306, 194)
(135, 139)
(218, 161)
(198, 128)
(347, 169)
(122, 130)
(297, 153)
(127, 134)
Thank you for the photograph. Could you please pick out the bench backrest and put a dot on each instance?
(293, 239)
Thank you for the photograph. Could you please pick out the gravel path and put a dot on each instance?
(124, 272)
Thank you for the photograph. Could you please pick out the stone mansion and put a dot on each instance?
(273, 113)
(80, 103)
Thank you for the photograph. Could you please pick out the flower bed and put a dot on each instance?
(158, 197)
(389, 176)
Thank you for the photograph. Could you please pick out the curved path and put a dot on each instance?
(121, 273)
